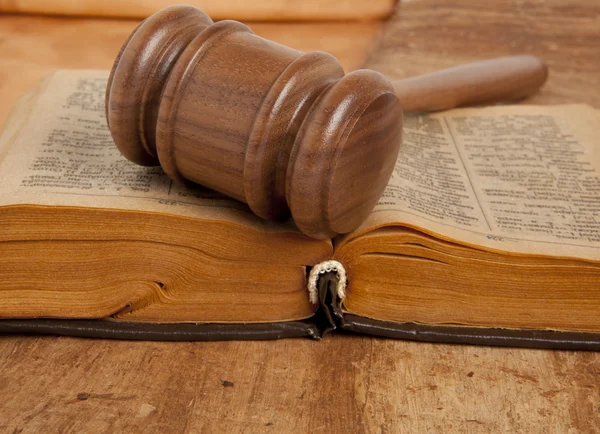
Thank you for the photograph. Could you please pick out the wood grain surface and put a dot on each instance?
(343, 383)
(427, 35)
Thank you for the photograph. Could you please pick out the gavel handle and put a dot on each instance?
(503, 79)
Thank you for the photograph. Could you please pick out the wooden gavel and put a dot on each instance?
(281, 130)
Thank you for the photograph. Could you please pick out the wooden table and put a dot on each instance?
(343, 383)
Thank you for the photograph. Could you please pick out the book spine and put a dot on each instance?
(322, 268)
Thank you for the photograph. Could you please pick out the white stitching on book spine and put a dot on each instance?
(322, 268)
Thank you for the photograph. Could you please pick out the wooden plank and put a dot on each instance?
(343, 383)
(433, 34)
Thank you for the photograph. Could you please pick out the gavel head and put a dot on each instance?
(284, 131)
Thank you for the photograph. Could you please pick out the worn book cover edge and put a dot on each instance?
(329, 317)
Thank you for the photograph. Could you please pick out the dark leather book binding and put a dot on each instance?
(329, 317)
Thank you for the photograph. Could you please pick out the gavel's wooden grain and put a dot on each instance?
(283, 131)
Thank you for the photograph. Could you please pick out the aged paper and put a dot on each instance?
(523, 179)
(59, 151)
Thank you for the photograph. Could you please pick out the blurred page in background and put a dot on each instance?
(243, 10)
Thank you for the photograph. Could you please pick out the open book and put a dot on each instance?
(489, 232)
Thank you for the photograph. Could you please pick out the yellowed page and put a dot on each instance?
(59, 151)
(521, 179)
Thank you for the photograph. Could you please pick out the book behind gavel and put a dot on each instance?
(488, 232)
(257, 10)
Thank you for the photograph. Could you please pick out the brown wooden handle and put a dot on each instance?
(503, 79)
